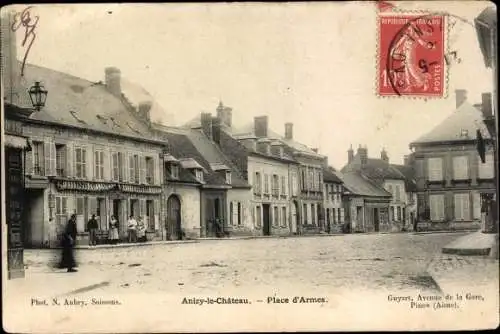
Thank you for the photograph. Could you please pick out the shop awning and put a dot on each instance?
(16, 142)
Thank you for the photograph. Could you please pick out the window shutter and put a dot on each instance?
(142, 169)
(156, 170)
(46, 157)
(157, 214)
(28, 161)
(458, 206)
(476, 205)
(106, 163)
(122, 162)
(52, 157)
(465, 206)
(69, 160)
(89, 162)
(131, 168)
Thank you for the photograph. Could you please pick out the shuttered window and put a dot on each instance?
(38, 159)
(435, 169)
(486, 169)
(61, 160)
(462, 206)
(49, 151)
(284, 189)
(258, 216)
(99, 165)
(266, 184)
(476, 204)
(257, 185)
(284, 217)
(276, 221)
(276, 185)
(115, 167)
(436, 207)
(398, 193)
(460, 168)
(81, 162)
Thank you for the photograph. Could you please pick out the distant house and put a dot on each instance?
(333, 191)
(450, 176)
(411, 191)
(386, 176)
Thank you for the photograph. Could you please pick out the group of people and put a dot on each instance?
(136, 230)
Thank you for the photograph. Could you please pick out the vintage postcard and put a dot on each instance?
(249, 167)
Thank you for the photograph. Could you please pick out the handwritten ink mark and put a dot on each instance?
(24, 19)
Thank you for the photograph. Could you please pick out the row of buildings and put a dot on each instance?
(93, 150)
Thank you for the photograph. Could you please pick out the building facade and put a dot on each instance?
(333, 192)
(451, 179)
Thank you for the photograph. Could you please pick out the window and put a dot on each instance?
(303, 179)
(257, 183)
(294, 184)
(486, 169)
(61, 205)
(341, 215)
(258, 215)
(276, 221)
(460, 168)
(199, 174)
(81, 162)
(436, 207)
(266, 184)
(99, 165)
(173, 170)
(476, 204)
(393, 214)
(435, 169)
(235, 213)
(61, 160)
(389, 189)
(462, 207)
(399, 213)
(239, 214)
(133, 168)
(228, 177)
(80, 205)
(276, 186)
(150, 170)
(398, 193)
(283, 186)
(310, 179)
(38, 159)
(313, 214)
(304, 214)
(232, 213)
(284, 217)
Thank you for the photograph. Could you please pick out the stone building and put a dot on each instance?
(385, 175)
(411, 191)
(449, 174)
(92, 153)
(333, 191)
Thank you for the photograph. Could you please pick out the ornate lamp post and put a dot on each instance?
(38, 95)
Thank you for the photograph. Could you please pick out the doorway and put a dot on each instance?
(266, 211)
(294, 218)
(376, 220)
(174, 227)
(150, 223)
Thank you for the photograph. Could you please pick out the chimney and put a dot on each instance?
(486, 105)
(363, 154)
(113, 80)
(350, 155)
(260, 126)
(10, 67)
(460, 96)
(225, 114)
(144, 109)
(384, 156)
(206, 124)
(406, 160)
(216, 130)
(288, 130)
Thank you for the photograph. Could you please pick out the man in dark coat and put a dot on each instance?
(92, 227)
(68, 243)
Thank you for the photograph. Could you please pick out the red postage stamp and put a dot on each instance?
(411, 55)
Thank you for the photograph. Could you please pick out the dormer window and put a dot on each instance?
(199, 174)
(173, 170)
(228, 177)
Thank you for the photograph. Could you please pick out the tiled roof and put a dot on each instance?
(84, 104)
(330, 176)
(375, 169)
(359, 185)
(190, 163)
(409, 173)
(461, 125)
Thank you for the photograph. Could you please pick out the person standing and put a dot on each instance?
(132, 229)
(92, 228)
(68, 244)
(113, 230)
(141, 230)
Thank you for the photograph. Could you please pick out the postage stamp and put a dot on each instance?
(411, 60)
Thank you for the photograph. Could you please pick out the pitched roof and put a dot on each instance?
(330, 176)
(409, 173)
(359, 185)
(461, 125)
(80, 103)
(377, 170)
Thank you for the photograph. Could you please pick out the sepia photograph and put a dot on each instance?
(249, 167)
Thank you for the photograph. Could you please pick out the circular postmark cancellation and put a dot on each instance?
(412, 55)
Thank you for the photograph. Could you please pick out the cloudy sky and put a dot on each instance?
(311, 64)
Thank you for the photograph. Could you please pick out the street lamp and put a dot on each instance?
(38, 95)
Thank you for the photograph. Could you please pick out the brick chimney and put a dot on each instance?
(486, 105)
(216, 123)
(363, 154)
(460, 97)
(113, 80)
(350, 155)
(10, 68)
(288, 130)
(206, 124)
(384, 156)
(260, 124)
(225, 114)
(144, 109)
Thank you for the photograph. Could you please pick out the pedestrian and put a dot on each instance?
(68, 244)
(415, 224)
(92, 228)
(113, 230)
(132, 229)
(141, 230)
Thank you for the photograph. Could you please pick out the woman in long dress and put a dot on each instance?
(141, 231)
(68, 243)
(113, 230)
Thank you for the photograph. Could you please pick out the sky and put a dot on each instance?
(312, 64)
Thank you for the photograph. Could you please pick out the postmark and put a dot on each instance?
(412, 53)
